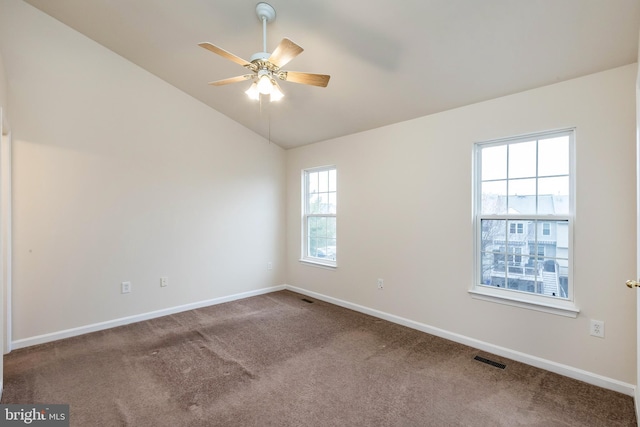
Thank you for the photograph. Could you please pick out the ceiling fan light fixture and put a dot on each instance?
(253, 92)
(276, 93)
(265, 86)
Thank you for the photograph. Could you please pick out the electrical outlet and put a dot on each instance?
(269, 265)
(596, 328)
(164, 282)
(125, 287)
(380, 283)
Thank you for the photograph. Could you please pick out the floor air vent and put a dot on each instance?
(307, 300)
(490, 362)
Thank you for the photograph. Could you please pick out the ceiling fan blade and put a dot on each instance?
(231, 80)
(220, 51)
(321, 80)
(285, 52)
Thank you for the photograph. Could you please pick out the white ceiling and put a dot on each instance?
(389, 61)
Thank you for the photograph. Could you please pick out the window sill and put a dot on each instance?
(318, 264)
(560, 308)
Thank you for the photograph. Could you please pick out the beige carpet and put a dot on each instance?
(277, 360)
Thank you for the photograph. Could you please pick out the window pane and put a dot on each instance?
(323, 203)
(331, 227)
(313, 247)
(312, 178)
(323, 181)
(314, 204)
(562, 239)
(522, 198)
(522, 160)
(538, 284)
(553, 195)
(330, 252)
(493, 234)
(522, 187)
(494, 162)
(550, 277)
(488, 264)
(494, 197)
(553, 156)
(311, 225)
(320, 229)
(322, 248)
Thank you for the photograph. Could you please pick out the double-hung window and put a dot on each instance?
(524, 206)
(319, 244)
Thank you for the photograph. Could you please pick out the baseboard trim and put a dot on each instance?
(558, 368)
(565, 370)
(54, 336)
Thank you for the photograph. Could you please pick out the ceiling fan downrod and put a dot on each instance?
(266, 13)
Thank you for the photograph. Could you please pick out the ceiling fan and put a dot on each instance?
(266, 67)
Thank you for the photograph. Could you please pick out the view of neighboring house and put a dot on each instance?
(525, 255)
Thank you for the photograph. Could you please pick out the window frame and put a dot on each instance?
(305, 257)
(524, 299)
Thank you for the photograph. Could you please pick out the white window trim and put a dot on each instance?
(304, 259)
(526, 300)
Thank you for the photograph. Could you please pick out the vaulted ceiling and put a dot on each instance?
(389, 61)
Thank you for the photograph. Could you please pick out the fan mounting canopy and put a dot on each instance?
(265, 12)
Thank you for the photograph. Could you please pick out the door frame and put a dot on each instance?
(5, 231)
(636, 393)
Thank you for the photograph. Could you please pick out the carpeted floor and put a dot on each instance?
(277, 360)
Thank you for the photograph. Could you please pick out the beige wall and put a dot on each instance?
(118, 176)
(404, 215)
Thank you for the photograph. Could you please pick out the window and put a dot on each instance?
(524, 218)
(516, 228)
(319, 244)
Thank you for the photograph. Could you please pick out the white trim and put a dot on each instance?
(5, 230)
(67, 333)
(309, 261)
(1, 387)
(565, 370)
(636, 397)
(486, 293)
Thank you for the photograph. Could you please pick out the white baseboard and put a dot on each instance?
(565, 370)
(54, 336)
(568, 371)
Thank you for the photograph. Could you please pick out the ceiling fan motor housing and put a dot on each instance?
(262, 56)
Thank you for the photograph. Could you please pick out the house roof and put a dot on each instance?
(546, 204)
